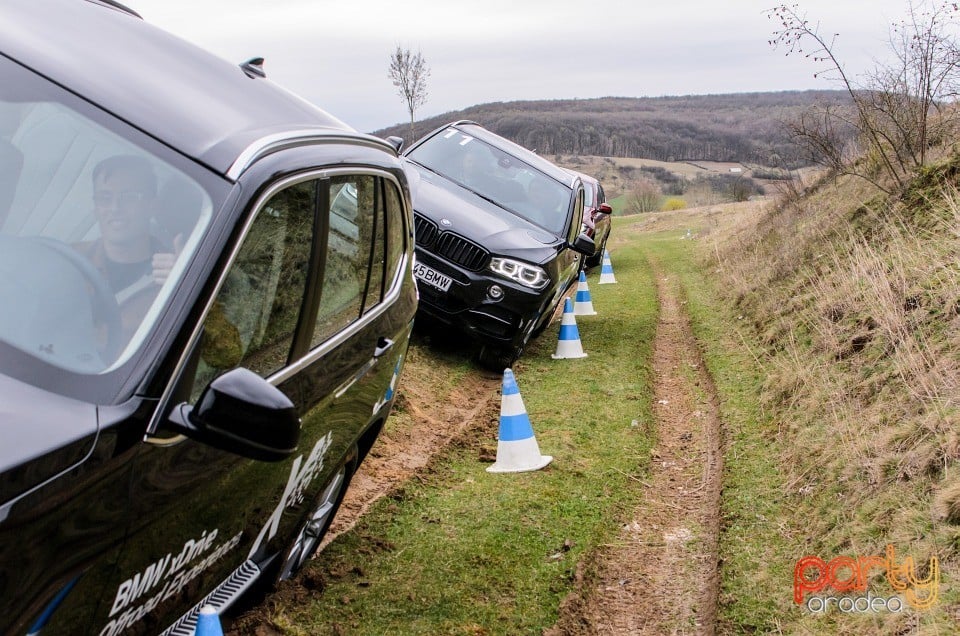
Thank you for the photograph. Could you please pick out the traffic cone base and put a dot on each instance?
(568, 343)
(208, 623)
(583, 305)
(517, 448)
(606, 270)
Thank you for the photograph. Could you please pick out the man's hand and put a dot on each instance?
(163, 262)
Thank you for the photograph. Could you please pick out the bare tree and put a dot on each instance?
(896, 111)
(409, 73)
(645, 196)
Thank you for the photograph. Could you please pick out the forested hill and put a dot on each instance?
(745, 127)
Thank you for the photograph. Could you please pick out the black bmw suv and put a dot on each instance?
(498, 240)
(207, 294)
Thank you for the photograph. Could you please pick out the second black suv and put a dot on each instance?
(498, 240)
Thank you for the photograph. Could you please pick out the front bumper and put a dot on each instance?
(468, 307)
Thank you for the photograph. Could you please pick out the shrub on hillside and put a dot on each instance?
(670, 182)
(771, 174)
(645, 197)
(733, 187)
(674, 203)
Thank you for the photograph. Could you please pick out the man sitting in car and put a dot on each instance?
(132, 261)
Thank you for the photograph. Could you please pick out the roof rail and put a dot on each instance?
(113, 4)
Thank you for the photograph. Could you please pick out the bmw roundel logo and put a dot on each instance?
(446, 222)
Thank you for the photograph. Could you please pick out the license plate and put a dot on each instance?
(432, 277)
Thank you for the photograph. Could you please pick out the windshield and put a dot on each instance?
(498, 176)
(95, 228)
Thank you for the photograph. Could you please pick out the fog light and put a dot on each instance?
(495, 292)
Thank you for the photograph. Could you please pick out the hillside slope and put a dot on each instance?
(743, 127)
(855, 298)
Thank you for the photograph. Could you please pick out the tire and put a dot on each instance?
(597, 258)
(497, 358)
(316, 524)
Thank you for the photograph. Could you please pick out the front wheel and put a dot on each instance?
(497, 358)
(597, 258)
(318, 521)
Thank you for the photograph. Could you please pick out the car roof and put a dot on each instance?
(544, 165)
(197, 103)
(587, 179)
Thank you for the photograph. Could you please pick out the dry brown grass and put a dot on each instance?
(856, 299)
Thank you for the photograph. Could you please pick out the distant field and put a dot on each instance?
(617, 172)
(620, 175)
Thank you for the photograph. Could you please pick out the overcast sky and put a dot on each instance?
(336, 53)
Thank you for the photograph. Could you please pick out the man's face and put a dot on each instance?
(122, 208)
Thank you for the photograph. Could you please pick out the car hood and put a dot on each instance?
(41, 435)
(457, 209)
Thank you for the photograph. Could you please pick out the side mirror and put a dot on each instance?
(242, 413)
(396, 142)
(584, 245)
(605, 208)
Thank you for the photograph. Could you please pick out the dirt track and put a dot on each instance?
(661, 576)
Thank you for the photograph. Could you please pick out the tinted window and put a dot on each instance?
(588, 194)
(252, 320)
(353, 223)
(378, 252)
(396, 235)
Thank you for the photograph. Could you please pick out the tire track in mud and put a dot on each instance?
(436, 421)
(661, 575)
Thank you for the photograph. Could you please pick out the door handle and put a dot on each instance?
(383, 345)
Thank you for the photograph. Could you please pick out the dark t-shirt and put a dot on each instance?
(122, 275)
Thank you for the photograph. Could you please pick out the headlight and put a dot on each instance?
(523, 273)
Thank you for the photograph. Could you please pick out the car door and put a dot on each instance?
(349, 366)
(570, 260)
(198, 511)
(289, 307)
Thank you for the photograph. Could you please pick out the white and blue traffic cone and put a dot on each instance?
(583, 305)
(568, 344)
(606, 270)
(208, 623)
(517, 448)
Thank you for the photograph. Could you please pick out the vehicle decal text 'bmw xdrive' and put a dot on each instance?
(171, 569)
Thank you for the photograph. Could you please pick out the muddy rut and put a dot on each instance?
(661, 574)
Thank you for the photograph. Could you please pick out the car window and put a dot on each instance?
(252, 320)
(86, 203)
(577, 217)
(396, 235)
(378, 253)
(588, 192)
(496, 175)
(353, 223)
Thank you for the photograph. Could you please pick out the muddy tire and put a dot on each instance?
(497, 358)
(315, 525)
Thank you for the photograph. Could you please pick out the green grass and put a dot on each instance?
(461, 550)
(619, 204)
